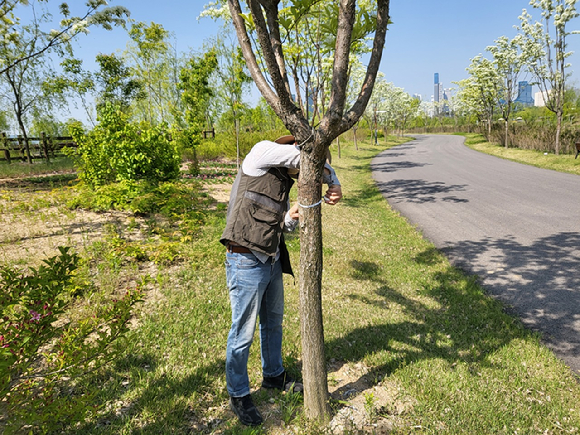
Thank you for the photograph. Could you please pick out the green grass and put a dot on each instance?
(562, 163)
(22, 169)
(396, 314)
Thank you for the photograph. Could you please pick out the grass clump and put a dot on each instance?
(39, 167)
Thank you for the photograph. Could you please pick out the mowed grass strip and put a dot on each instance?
(394, 309)
(540, 159)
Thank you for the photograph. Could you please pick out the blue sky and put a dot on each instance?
(426, 36)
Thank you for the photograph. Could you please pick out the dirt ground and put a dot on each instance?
(365, 406)
(29, 234)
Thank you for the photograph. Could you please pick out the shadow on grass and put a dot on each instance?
(361, 198)
(164, 391)
(467, 326)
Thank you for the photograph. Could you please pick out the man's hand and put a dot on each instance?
(293, 212)
(333, 194)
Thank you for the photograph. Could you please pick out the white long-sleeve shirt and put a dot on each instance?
(267, 154)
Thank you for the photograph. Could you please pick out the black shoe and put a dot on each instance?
(246, 411)
(283, 382)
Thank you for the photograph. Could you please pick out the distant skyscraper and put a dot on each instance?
(525, 96)
(437, 89)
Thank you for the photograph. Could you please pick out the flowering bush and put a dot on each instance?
(43, 355)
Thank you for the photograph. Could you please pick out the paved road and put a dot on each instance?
(517, 227)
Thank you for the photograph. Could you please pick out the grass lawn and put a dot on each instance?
(562, 162)
(38, 167)
(413, 345)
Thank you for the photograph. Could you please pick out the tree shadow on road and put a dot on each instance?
(420, 191)
(540, 281)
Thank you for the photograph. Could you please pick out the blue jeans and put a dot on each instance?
(256, 289)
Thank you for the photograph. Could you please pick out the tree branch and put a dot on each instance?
(272, 50)
(346, 18)
(251, 61)
(360, 104)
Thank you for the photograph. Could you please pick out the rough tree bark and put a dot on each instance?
(314, 142)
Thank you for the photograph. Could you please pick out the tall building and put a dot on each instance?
(437, 89)
(540, 99)
(525, 96)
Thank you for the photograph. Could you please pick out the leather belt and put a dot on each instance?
(238, 249)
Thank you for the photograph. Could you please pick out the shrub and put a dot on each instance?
(117, 150)
(43, 356)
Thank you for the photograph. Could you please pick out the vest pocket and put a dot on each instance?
(263, 232)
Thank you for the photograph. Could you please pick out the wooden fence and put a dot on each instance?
(44, 147)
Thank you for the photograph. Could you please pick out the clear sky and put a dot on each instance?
(426, 36)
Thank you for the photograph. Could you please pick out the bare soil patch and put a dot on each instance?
(33, 225)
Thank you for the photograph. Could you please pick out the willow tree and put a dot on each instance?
(260, 21)
(23, 47)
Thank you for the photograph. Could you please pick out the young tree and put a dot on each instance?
(233, 81)
(23, 47)
(72, 85)
(264, 17)
(115, 84)
(196, 94)
(21, 85)
(546, 45)
(479, 92)
(112, 83)
(154, 64)
(509, 60)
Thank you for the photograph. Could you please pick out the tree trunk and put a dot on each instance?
(334, 121)
(506, 133)
(45, 147)
(558, 131)
(316, 403)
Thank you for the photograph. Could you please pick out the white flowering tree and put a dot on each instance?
(509, 61)
(546, 44)
(479, 92)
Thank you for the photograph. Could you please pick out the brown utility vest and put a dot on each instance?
(256, 213)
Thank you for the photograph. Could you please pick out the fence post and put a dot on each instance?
(45, 146)
(52, 146)
(6, 149)
(21, 148)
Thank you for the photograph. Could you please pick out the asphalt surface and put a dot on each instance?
(515, 226)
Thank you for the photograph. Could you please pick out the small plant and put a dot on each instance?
(370, 406)
(289, 403)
